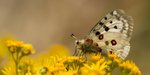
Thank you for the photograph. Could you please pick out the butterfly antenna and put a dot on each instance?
(72, 35)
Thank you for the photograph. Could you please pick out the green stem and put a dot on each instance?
(112, 66)
(16, 62)
(16, 68)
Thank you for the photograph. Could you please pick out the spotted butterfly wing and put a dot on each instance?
(113, 33)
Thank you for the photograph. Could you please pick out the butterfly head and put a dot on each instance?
(77, 41)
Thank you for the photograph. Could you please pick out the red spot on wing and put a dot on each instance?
(90, 41)
(113, 42)
(101, 37)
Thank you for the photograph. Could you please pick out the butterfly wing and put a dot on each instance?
(113, 33)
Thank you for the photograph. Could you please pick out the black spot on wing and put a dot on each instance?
(115, 27)
(100, 23)
(107, 42)
(97, 33)
(105, 18)
(111, 22)
(106, 28)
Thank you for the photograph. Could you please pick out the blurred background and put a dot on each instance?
(47, 22)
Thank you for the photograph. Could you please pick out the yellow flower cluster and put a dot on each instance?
(18, 50)
(129, 67)
(53, 64)
(19, 46)
(97, 66)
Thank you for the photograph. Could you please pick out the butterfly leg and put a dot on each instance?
(81, 53)
(84, 55)
(75, 52)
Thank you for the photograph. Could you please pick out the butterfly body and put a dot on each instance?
(112, 33)
(88, 46)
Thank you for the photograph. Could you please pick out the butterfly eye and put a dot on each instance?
(77, 42)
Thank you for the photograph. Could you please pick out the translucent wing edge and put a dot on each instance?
(124, 52)
(127, 19)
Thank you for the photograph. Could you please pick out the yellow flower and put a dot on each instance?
(18, 49)
(96, 57)
(70, 72)
(114, 57)
(48, 65)
(131, 67)
(9, 68)
(13, 45)
(73, 62)
(8, 71)
(18, 46)
(27, 49)
(98, 68)
(26, 67)
(74, 58)
(58, 62)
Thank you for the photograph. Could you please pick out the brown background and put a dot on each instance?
(47, 22)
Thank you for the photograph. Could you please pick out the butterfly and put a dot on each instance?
(111, 34)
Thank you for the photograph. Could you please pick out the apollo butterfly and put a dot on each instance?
(111, 33)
